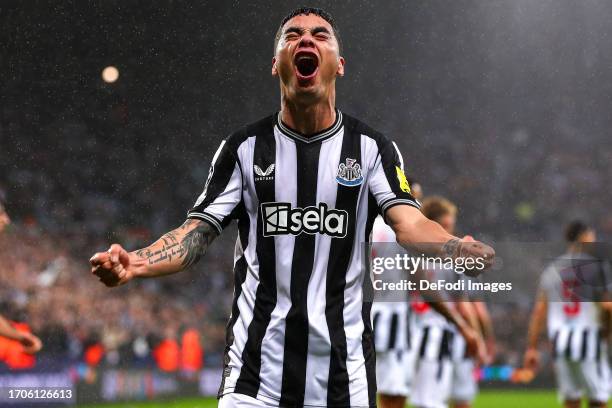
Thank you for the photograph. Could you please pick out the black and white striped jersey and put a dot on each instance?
(299, 332)
(392, 326)
(572, 283)
(435, 337)
(391, 319)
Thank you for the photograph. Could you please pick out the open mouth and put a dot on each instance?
(306, 65)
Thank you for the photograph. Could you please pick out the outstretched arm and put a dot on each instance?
(416, 232)
(174, 251)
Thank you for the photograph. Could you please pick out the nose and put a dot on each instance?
(306, 40)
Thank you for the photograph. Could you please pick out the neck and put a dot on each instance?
(308, 118)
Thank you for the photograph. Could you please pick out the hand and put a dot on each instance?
(470, 248)
(113, 267)
(31, 344)
(531, 359)
(474, 344)
(491, 350)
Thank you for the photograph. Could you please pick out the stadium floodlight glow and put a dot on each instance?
(110, 74)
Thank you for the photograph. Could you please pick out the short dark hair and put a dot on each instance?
(306, 11)
(574, 229)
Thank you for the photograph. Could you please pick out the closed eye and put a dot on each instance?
(291, 33)
(321, 33)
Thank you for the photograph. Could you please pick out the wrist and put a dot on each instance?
(451, 248)
(139, 265)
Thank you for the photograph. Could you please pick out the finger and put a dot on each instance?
(36, 344)
(99, 258)
(97, 270)
(32, 349)
(124, 257)
(118, 270)
(104, 271)
(111, 279)
(28, 342)
(100, 271)
(104, 268)
(114, 252)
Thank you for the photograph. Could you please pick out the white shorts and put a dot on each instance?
(431, 384)
(464, 385)
(235, 400)
(394, 370)
(583, 378)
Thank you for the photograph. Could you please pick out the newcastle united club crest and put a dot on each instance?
(349, 174)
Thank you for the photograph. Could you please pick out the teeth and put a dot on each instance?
(305, 57)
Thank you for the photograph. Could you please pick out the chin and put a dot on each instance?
(313, 92)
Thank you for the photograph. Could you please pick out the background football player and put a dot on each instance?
(444, 366)
(576, 328)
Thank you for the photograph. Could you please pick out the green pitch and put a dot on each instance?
(487, 399)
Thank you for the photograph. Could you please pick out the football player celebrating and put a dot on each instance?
(299, 332)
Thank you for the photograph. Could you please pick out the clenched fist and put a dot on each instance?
(478, 250)
(475, 255)
(114, 267)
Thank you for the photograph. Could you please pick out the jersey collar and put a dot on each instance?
(322, 135)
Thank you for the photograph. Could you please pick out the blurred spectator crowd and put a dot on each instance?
(78, 319)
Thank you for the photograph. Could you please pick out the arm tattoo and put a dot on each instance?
(191, 247)
(451, 248)
(196, 241)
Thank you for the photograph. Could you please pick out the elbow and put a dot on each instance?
(402, 237)
(403, 232)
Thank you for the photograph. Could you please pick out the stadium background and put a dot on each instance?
(502, 106)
